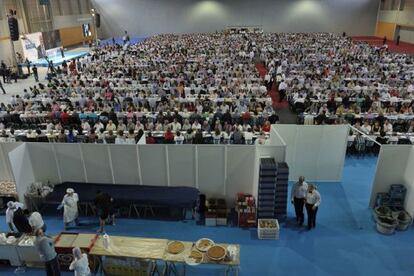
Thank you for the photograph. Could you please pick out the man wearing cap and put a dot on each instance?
(11, 208)
(70, 207)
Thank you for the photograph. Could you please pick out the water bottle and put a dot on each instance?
(106, 241)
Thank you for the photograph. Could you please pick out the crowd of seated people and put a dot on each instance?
(206, 88)
(201, 88)
(330, 76)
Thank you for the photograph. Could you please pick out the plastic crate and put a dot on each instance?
(221, 221)
(211, 221)
(268, 233)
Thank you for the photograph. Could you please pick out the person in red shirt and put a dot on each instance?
(246, 117)
(72, 67)
(266, 126)
(64, 117)
(150, 139)
(168, 136)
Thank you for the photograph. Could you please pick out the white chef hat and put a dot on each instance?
(11, 205)
(70, 191)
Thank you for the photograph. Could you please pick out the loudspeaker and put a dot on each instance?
(14, 28)
(97, 20)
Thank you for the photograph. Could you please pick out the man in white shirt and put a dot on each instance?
(313, 200)
(178, 139)
(282, 90)
(175, 125)
(298, 196)
(248, 137)
(11, 208)
(410, 88)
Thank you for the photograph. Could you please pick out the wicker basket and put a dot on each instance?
(404, 221)
(381, 211)
(386, 225)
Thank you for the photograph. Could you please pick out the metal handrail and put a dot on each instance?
(364, 135)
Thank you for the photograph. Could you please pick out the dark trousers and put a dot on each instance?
(36, 76)
(282, 95)
(311, 215)
(299, 203)
(52, 267)
(2, 88)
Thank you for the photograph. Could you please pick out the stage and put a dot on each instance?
(82, 51)
(58, 60)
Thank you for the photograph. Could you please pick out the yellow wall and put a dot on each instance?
(385, 29)
(73, 36)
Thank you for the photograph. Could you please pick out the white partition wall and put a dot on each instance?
(211, 170)
(96, 161)
(409, 183)
(124, 162)
(317, 152)
(216, 170)
(182, 159)
(395, 166)
(69, 162)
(43, 159)
(153, 163)
(22, 169)
(6, 172)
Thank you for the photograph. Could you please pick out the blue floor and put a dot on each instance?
(344, 242)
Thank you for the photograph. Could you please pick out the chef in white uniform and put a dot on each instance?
(80, 264)
(11, 208)
(70, 207)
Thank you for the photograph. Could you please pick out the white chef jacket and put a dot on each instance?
(81, 266)
(70, 207)
(10, 212)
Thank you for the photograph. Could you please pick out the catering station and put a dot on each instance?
(118, 255)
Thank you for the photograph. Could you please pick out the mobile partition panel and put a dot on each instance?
(395, 166)
(316, 152)
(216, 170)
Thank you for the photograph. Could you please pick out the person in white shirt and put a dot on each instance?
(86, 126)
(179, 139)
(196, 125)
(410, 88)
(80, 263)
(11, 208)
(366, 128)
(298, 195)
(387, 126)
(282, 90)
(120, 139)
(98, 126)
(70, 207)
(110, 126)
(36, 222)
(313, 200)
(248, 137)
(175, 125)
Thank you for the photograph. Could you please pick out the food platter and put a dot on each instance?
(175, 247)
(204, 244)
(216, 253)
(195, 258)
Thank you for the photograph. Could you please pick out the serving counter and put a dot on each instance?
(21, 252)
(153, 253)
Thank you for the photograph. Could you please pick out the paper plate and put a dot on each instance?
(204, 244)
